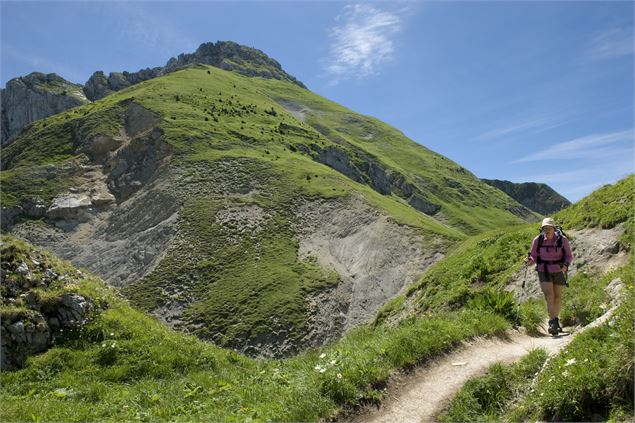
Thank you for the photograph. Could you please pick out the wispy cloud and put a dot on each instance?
(575, 184)
(536, 124)
(135, 22)
(610, 44)
(361, 42)
(591, 146)
(37, 63)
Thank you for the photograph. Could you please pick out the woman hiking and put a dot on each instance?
(552, 254)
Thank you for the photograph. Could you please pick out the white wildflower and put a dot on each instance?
(333, 362)
(565, 373)
(322, 370)
(570, 362)
(339, 375)
(322, 355)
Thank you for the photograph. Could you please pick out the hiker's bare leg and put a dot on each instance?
(547, 290)
(557, 299)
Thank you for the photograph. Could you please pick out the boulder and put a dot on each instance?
(69, 206)
(21, 339)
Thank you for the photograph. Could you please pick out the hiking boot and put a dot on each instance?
(553, 326)
(557, 324)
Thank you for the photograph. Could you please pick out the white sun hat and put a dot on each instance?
(547, 221)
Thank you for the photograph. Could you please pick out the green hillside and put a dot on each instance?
(208, 113)
(223, 141)
(486, 261)
(123, 365)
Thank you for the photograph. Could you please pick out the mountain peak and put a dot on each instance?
(232, 56)
(226, 55)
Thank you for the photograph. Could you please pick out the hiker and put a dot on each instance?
(552, 254)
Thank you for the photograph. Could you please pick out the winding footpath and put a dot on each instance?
(419, 396)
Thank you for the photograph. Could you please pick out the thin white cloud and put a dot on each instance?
(37, 63)
(591, 146)
(361, 42)
(537, 124)
(575, 184)
(135, 22)
(610, 44)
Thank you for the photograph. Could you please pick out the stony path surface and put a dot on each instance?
(419, 396)
(422, 394)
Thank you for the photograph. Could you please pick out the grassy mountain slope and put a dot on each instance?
(239, 125)
(124, 365)
(230, 145)
(487, 261)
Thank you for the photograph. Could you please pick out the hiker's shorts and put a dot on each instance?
(558, 278)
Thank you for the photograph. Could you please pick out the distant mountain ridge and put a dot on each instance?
(538, 197)
(38, 95)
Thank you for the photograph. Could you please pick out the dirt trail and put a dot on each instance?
(422, 394)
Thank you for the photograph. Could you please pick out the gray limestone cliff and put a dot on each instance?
(36, 96)
(537, 197)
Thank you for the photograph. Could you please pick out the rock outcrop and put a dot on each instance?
(36, 96)
(362, 167)
(540, 198)
(31, 320)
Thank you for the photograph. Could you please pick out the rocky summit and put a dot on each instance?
(36, 96)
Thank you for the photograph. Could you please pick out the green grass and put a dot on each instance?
(207, 110)
(467, 202)
(25, 182)
(592, 379)
(605, 208)
(238, 283)
(123, 365)
(488, 260)
(485, 398)
(484, 261)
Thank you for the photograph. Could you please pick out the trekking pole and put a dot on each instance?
(522, 293)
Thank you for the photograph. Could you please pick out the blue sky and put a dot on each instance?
(523, 91)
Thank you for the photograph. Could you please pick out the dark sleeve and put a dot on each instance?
(568, 255)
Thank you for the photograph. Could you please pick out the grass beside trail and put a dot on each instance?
(605, 208)
(483, 264)
(591, 380)
(484, 398)
(123, 365)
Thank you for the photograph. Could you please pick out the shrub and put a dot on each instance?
(500, 302)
